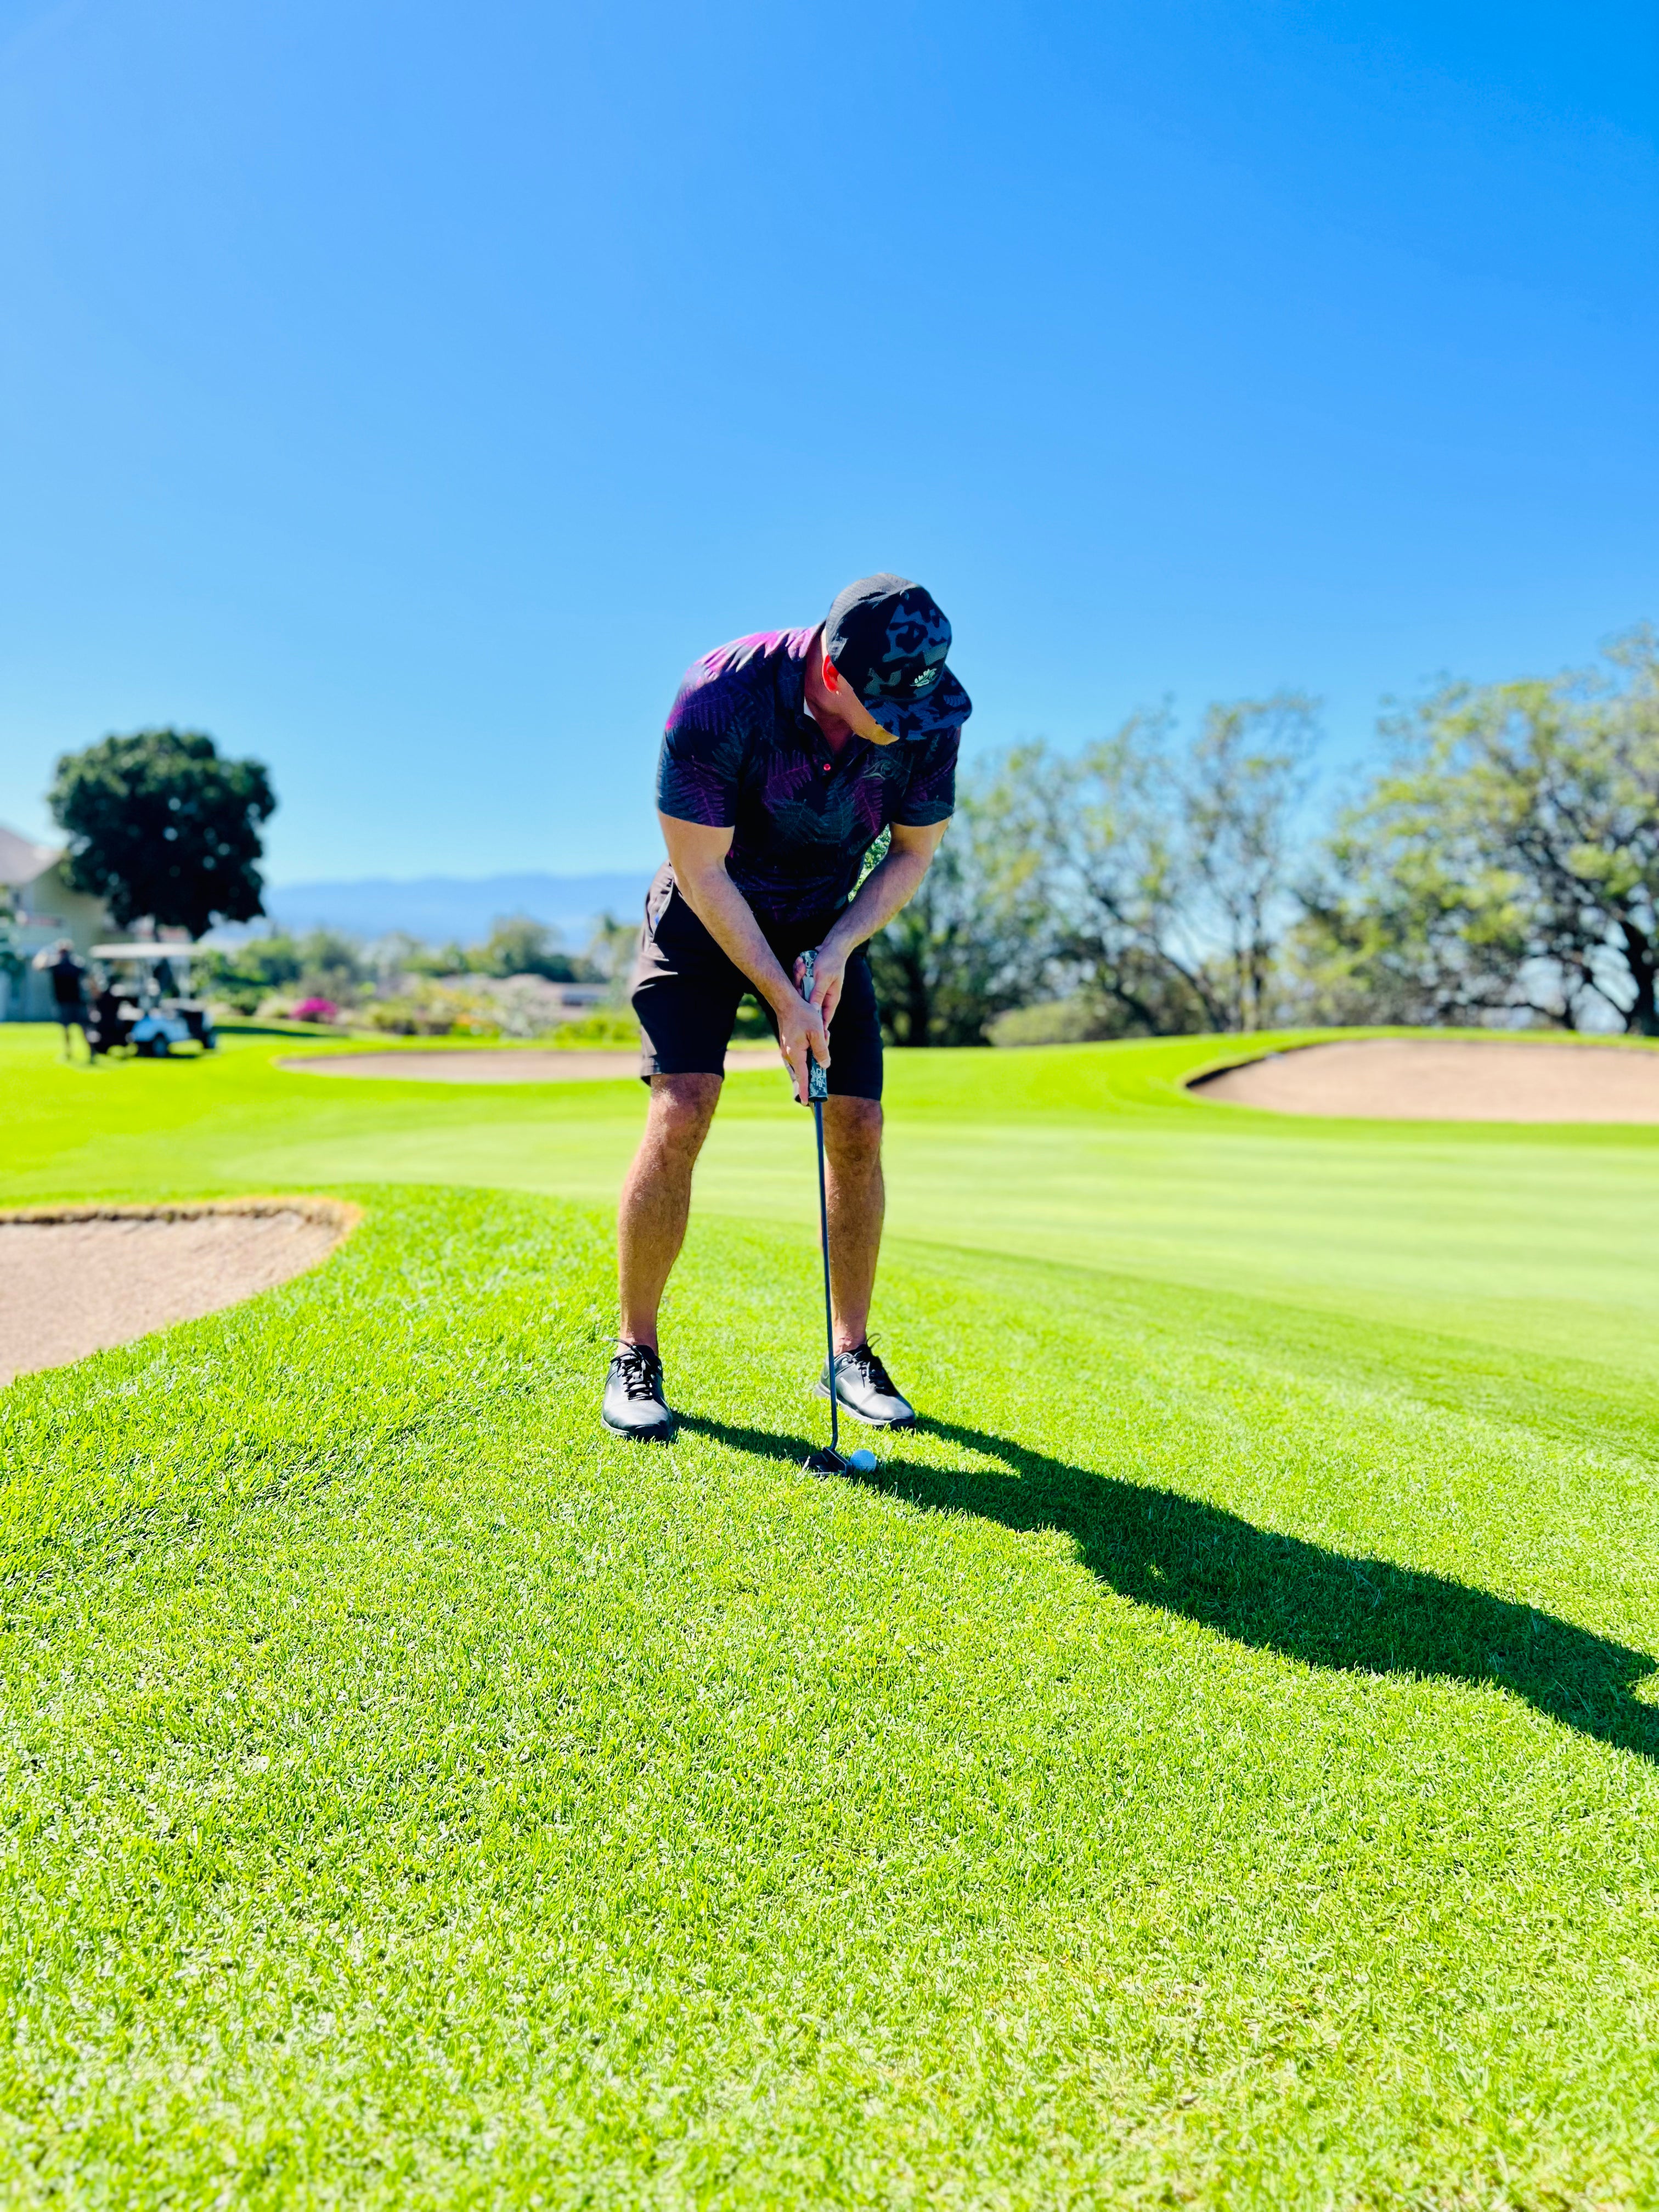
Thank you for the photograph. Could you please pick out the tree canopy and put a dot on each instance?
(518, 944)
(972, 942)
(162, 829)
(1499, 864)
(1148, 881)
(1506, 861)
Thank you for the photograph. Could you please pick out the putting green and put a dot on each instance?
(1537, 1240)
(1216, 1760)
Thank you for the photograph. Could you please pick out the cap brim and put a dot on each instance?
(946, 707)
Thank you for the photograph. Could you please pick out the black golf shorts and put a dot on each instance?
(685, 993)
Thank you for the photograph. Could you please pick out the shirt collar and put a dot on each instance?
(792, 673)
(793, 689)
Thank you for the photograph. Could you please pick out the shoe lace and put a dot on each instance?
(874, 1374)
(640, 1369)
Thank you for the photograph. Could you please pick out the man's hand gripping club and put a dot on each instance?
(699, 858)
(818, 1073)
(803, 1016)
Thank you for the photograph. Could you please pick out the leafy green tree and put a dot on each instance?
(1506, 860)
(1106, 829)
(609, 956)
(1243, 783)
(324, 964)
(160, 826)
(399, 954)
(244, 975)
(332, 966)
(518, 945)
(971, 944)
(1155, 881)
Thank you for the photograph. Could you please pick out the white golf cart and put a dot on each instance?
(147, 1011)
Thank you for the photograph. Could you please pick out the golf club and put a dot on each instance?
(817, 1090)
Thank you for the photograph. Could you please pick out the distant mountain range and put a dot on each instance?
(441, 909)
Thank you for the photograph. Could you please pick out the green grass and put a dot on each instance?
(1217, 1761)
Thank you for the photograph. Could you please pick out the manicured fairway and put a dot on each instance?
(1217, 1761)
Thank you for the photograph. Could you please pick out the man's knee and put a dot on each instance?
(682, 1107)
(852, 1131)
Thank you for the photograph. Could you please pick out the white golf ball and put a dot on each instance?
(864, 1459)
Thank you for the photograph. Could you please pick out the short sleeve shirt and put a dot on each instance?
(68, 982)
(740, 751)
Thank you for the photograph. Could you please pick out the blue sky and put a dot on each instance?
(406, 394)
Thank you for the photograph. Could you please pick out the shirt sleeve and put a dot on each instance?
(700, 767)
(930, 795)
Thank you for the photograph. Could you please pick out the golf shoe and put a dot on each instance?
(635, 1402)
(865, 1390)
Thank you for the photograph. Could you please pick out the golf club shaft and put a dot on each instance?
(828, 1307)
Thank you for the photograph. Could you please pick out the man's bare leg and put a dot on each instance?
(858, 1200)
(656, 1197)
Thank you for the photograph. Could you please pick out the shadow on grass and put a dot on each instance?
(1273, 1593)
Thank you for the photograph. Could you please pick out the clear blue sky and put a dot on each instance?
(405, 394)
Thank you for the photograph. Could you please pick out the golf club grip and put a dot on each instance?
(818, 1076)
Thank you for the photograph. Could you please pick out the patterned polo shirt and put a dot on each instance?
(741, 751)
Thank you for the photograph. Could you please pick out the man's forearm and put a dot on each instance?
(884, 892)
(730, 921)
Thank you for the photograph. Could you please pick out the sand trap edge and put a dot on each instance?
(70, 1335)
(1195, 1086)
(336, 1213)
(1528, 1039)
(1191, 1085)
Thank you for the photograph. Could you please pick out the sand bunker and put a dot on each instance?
(78, 1279)
(1450, 1079)
(480, 1065)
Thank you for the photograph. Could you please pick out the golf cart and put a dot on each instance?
(146, 1012)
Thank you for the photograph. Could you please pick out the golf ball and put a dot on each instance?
(864, 1459)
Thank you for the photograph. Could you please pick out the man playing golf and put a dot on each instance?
(69, 992)
(785, 757)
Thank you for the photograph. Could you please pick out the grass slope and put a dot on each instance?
(1216, 1761)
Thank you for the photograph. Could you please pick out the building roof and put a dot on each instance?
(21, 862)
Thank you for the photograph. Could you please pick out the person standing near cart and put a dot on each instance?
(69, 991)
(785, 757)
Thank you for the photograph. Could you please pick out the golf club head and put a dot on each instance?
(862, 1462)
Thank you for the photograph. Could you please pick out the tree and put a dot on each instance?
(1108, 832)
(244, 975)
(518, 945)
(609, 956)
(971, 944)
(1245, 780)
(332, 965)
(323, 964)
(399, 953)
(161, 828)
(1507, 860)
(1162, 877)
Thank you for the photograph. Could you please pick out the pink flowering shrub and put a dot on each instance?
(315, 1010)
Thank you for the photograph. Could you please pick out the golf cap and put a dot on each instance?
(888, 639)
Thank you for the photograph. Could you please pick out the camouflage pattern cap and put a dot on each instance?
(888, 639)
